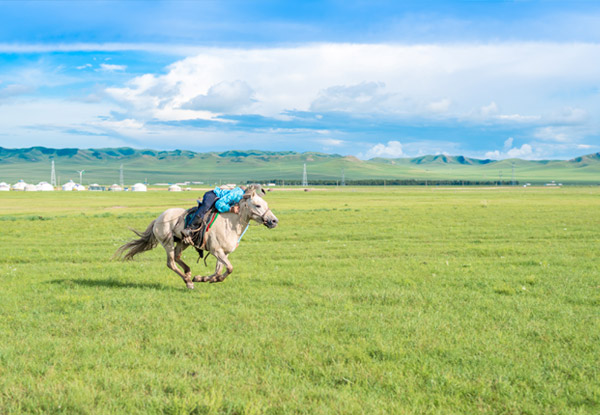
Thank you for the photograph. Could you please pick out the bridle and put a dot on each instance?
(265, 214)
(262, 217)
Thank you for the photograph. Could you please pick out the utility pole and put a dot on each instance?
(304, 177)
(513, 173)
(343, 178)
(121, 176)
(53, 176)
(80, 176)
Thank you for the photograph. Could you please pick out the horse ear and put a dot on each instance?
(247, 196)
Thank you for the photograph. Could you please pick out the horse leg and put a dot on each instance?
(200, 278)
(222, 260)
(178, 251)
(172, 264)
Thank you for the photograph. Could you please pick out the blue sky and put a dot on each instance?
(486, 79)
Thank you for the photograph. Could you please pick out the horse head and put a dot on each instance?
(257, 208)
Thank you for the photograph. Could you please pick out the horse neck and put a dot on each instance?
(237, 222)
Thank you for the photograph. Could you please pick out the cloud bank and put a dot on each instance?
(354, 98)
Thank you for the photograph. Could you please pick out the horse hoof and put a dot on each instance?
(190, 285)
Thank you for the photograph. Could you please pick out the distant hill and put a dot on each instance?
(102, 166)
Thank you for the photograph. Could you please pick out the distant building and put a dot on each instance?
(174, 188)
(45, 187)
(96, 188)
(139, 187)
(68, 186)
(31, 188)
(115, 188)
(19, 186)
(4, 187)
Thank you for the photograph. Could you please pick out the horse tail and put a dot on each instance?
(146, 242)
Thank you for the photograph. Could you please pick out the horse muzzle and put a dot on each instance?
(271, 222)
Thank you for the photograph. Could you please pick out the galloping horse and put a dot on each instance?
(222, 239)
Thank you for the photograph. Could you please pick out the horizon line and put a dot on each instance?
(293, 152)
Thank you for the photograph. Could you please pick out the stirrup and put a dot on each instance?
(186, 237)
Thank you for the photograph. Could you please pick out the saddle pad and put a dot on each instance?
(190, 215)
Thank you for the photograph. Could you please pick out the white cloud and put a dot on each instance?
(402, 80)
(518, 118)
(524, 152)
(440, 106)
(490, 109)
(53, 123)
(393, 149)
(569, 115)
(108, 67)
(366, 96)
(491, 112)
(87, 65)
(224, 97)
(331, 142)
(514, 84)
(559, 134)
(14, 90)
(495, 155)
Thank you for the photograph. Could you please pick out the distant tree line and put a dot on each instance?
(390, 182)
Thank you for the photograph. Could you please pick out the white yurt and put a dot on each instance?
(31, 188)
(19, 186)
(45, 187)
(174, 188)
(79, 187)
(115, 188)
(139, 187)
(4, 187)
(68, 186)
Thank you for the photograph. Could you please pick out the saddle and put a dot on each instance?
(200, 232)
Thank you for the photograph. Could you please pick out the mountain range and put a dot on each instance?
(153, 166)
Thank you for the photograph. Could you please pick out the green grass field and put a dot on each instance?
(363, 301)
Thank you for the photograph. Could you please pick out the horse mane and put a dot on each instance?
(255, 188)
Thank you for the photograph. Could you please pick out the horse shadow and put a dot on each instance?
(115, 284)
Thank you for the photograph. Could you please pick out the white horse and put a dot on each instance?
(221, 240)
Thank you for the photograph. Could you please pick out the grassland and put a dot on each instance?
(375, 301)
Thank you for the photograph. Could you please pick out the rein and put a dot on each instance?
(245, 229)
(265, 214)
